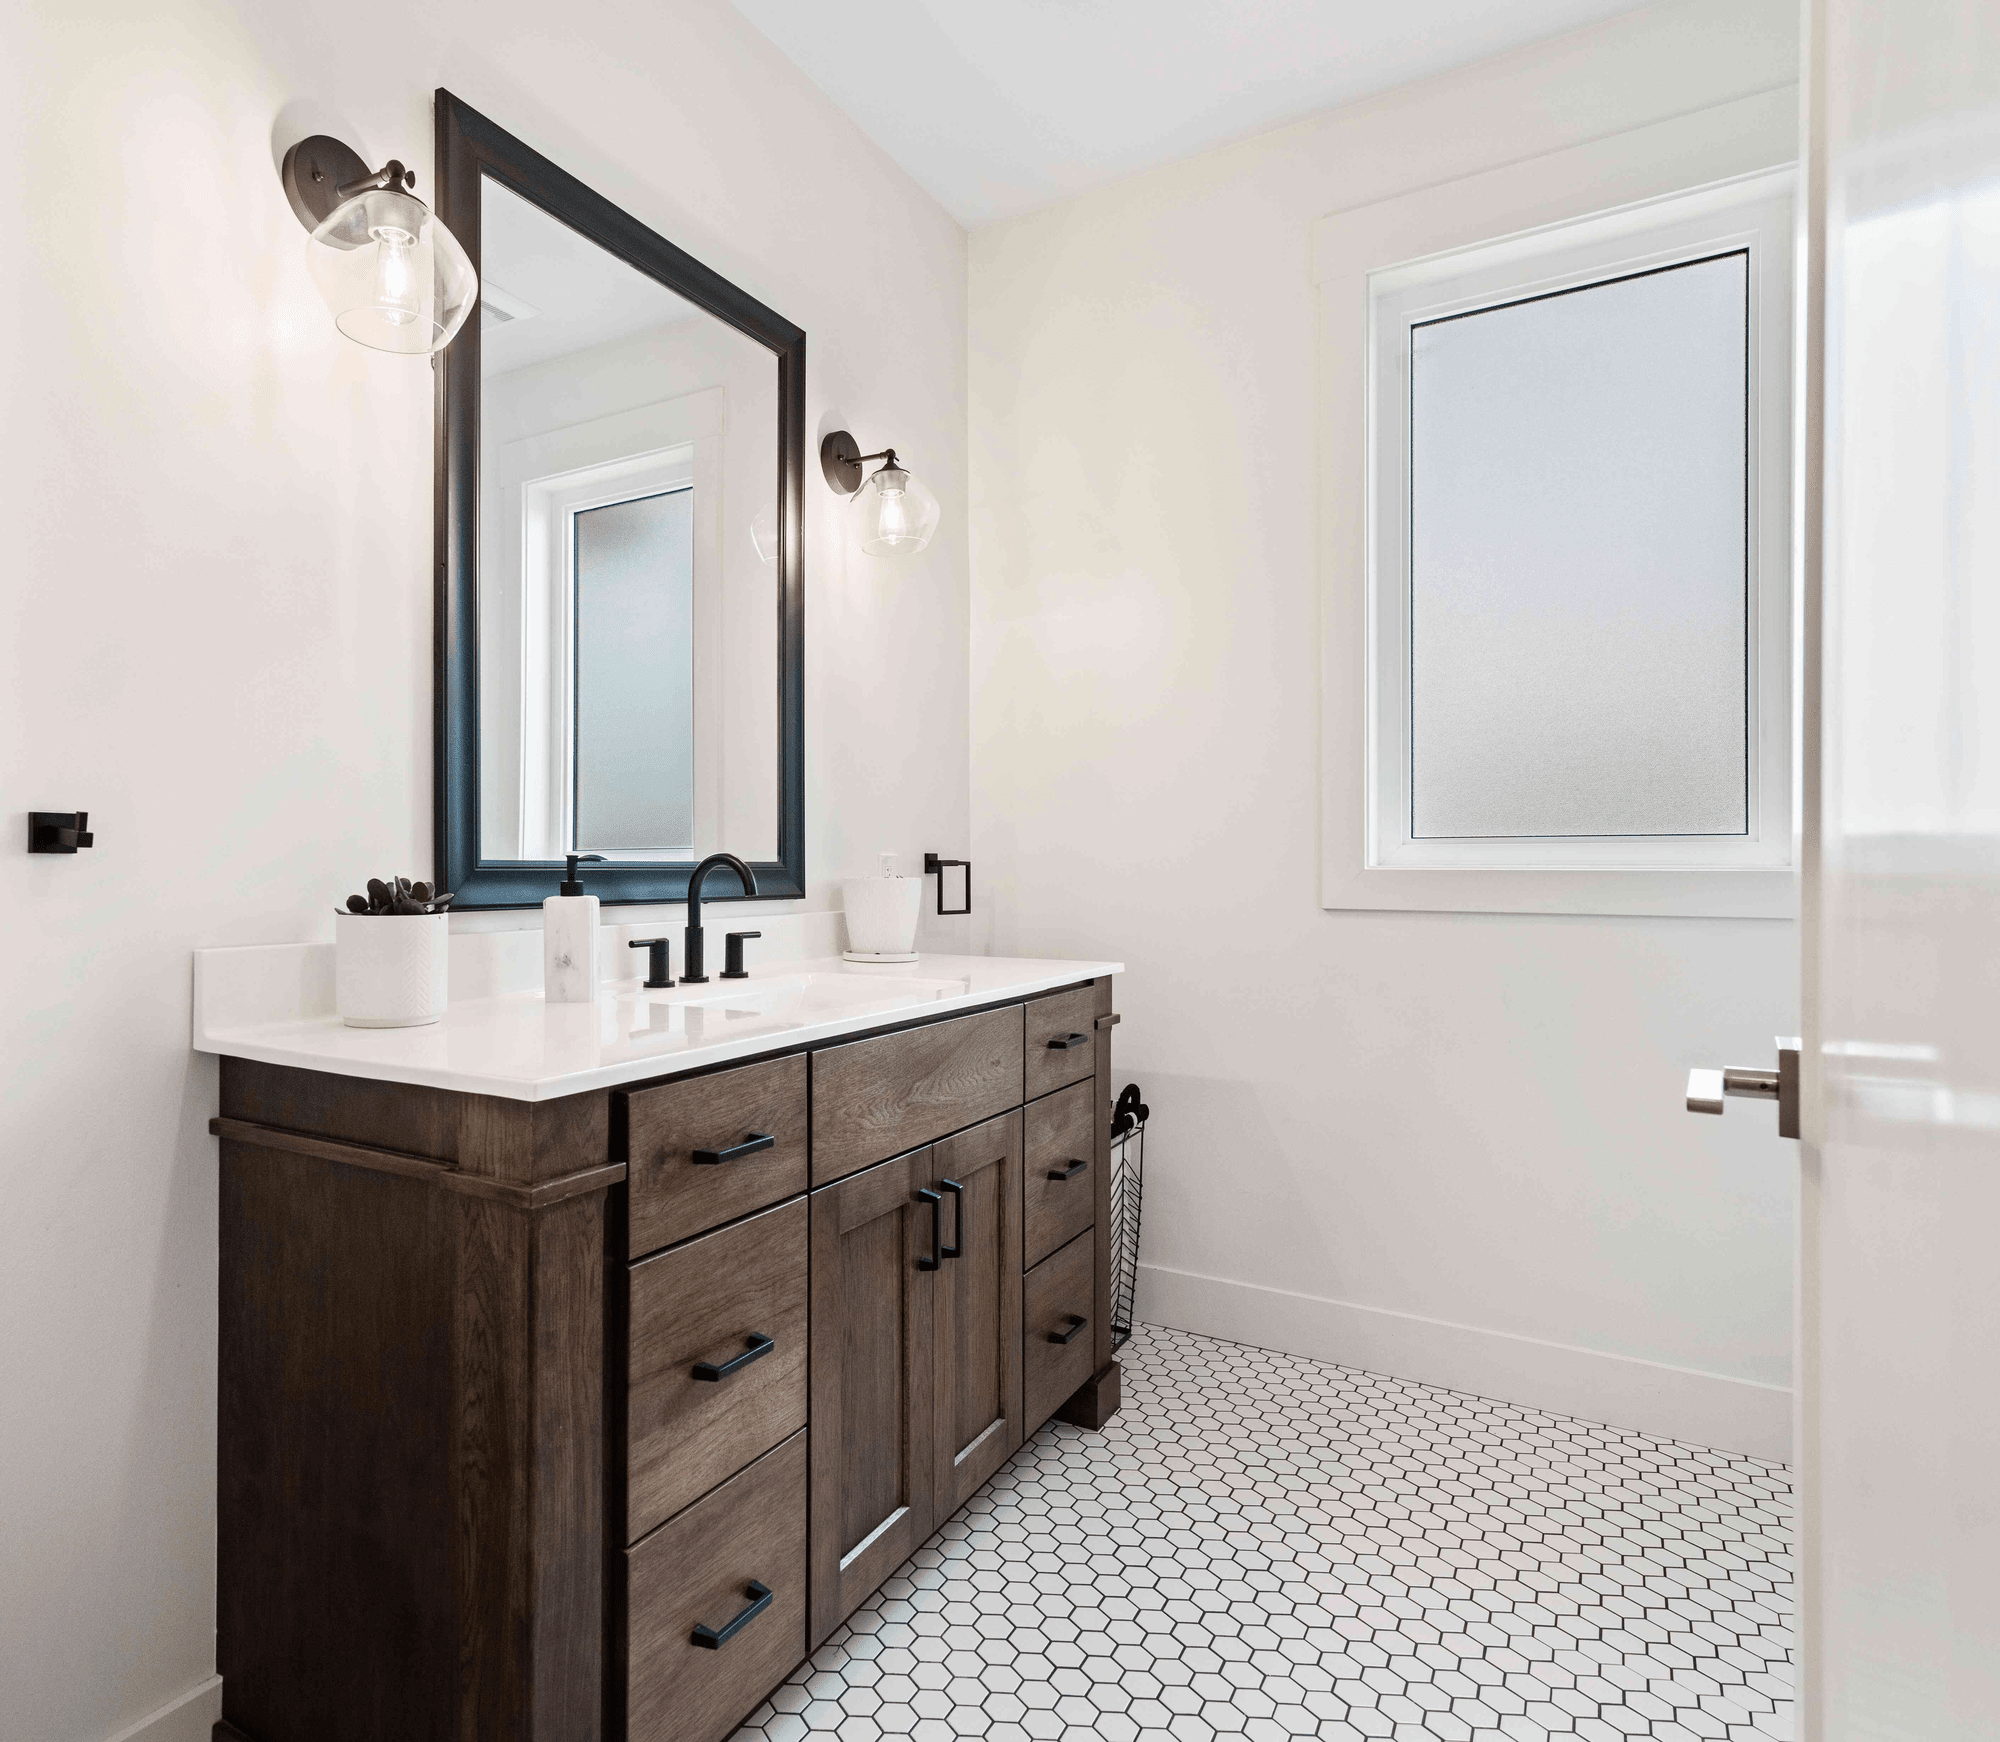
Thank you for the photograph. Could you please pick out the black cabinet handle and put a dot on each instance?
(736, 1152)
(710, 1639)
(1070, 1172)
(760, 1346)
(936, 1202)
(1063, 1042)
(1076, 1323)
(957, 1249)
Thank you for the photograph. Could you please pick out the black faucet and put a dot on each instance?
(691, 949)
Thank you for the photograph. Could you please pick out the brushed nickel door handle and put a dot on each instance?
(1708, 1089)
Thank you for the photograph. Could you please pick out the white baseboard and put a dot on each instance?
(1679, 1403)
(191, 1718)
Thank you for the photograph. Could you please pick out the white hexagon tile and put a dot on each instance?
(1269, 1547)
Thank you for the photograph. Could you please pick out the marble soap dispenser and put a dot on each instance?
(569, 939)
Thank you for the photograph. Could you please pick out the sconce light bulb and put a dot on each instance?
(396, 294)
(894, 513)
(892, 524)
(889, 512)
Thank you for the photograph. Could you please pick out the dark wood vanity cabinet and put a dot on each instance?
(977, 1310)
(873, 1361)
(586, 1420)
(916, 1353)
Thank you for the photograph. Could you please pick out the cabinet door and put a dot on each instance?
(873, 1381)
(978, 1292)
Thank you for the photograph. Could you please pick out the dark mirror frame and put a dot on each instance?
(468, 147)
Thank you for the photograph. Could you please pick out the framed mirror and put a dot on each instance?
(620, 604)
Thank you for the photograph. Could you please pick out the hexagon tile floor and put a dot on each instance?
(1264, 1546)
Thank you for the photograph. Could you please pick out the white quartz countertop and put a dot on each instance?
(274, 1003)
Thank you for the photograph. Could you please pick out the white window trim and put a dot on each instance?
(549, 508)
(543, 479)
(1596, 206)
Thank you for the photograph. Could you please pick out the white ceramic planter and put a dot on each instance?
(389, 969)
(882, 918)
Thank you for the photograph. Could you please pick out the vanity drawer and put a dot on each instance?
(702, 1303)
(876, 1098)
(671, 1195)
(1058, 1133)
(1054, 1295)
(1062, 1039)
(696, 1572)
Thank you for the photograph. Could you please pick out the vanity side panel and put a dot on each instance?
(1100, 1165)
(405, 1117)
(529, 1142)
(528, 1468)
(333, 1523)
(411, 1511)
(1096, 1400)
(566, 1549)
(488, 1136)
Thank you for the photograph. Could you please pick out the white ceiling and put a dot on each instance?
(566, 292)
(1000, 106)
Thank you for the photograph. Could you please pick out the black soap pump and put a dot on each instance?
(569, 938)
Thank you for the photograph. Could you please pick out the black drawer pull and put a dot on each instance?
(1076, 1323)
(759, 1594)
(1070, 1172)
(957, 1248)
(1063, 1042)
(736, 1152)
(760, 1346)
(936, 1202)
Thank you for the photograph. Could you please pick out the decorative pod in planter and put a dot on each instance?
(390, 952)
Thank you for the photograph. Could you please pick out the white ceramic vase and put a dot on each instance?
(882, 918)
(389, 969)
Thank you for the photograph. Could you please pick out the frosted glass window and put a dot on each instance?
(635, 675)
(1579, 561)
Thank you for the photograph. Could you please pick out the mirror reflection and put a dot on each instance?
(628, 621)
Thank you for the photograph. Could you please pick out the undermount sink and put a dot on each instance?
(806, 996)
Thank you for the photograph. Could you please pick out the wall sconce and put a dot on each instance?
(891, 512)
(395, 278)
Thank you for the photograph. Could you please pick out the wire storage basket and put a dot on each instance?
(1128, 1181)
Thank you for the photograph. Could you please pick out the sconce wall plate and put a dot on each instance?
(840, 460)
(314, 172)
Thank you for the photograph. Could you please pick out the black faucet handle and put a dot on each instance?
(658, 972)
(732, 955)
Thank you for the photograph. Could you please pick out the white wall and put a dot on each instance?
(217, 639)
(1447, 1145)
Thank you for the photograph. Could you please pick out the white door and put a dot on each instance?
(1899, 1375)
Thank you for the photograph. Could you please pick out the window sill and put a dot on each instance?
(1748, 893)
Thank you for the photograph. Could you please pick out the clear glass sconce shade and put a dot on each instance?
(394, 277)
(764, 532)
(892, 513)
